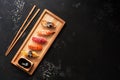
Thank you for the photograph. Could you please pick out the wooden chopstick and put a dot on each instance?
(19, 34)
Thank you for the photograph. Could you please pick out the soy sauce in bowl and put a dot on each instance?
(24, 63)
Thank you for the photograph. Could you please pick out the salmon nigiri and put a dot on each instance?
(36, 47)
(45, 32)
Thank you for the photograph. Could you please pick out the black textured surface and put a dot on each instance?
(86, 49)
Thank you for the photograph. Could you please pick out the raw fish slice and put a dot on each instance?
(40, 40)
(45, 32)
(35, 47)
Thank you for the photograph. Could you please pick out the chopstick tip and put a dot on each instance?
(6, 53)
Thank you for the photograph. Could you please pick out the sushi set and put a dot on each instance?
(38, 41)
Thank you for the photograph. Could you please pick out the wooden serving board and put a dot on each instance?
(48, 16)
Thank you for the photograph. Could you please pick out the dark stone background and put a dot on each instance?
(86, 49)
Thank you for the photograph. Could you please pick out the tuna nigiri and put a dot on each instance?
(40, 40)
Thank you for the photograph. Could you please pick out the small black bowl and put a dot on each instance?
(24, 63)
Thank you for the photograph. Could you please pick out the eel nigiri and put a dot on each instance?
(29, 54)
(40, 40)
(36, 47)
(45, 32)
(47, 24)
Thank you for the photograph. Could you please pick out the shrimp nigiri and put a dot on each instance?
(45, 32)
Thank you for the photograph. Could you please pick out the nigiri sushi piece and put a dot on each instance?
(40, 40)
(30, 54)
(24, 53)
(47, 24)
(45, 32)
(35, 47)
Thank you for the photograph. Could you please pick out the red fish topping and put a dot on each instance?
(39, 40)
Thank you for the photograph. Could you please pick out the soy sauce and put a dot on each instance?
(25, 63)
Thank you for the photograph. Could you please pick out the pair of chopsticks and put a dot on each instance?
(22, 29)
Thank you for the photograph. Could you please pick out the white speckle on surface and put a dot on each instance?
(19, 4)
(16, 13)
(76, 5)
(0, 17)
(49, 71)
